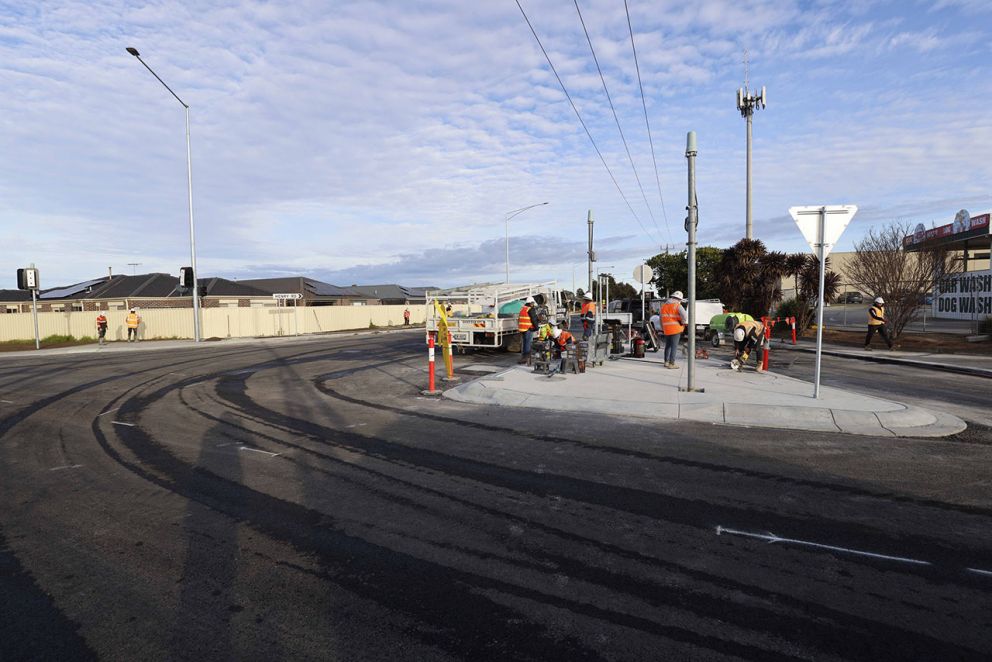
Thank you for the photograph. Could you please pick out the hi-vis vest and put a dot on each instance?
(752, 328)
(132, 320)
(671, 321)
(588, 313)
(523, 322)
(880, 312)
(564, 338)
(101, 321)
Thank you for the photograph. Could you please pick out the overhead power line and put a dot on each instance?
(581, 121)
(647, 124)
(615, 118)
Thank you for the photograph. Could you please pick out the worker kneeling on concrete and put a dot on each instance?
(565, 343)
(748, 337)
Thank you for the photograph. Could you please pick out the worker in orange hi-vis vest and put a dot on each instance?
(101, 327)
(525, 325)
(673, 321)
(133, 321)
(588, 315)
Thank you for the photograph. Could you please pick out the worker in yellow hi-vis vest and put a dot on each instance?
(876, 323)
(133, 322)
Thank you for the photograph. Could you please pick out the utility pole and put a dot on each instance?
(690, 225)
(747, 103)
(592, 255)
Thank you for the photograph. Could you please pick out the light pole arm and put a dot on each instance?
(506, 229)
(185, 105)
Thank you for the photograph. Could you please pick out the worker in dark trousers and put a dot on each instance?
(748, 337)
(525, 325)
(565, 343)
(588, 316)
(876, 323)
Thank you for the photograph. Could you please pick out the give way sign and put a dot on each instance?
(834, 221)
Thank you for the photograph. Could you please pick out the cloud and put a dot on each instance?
(389, 137)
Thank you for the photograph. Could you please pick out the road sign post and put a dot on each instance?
(822, 226)
(643, 274)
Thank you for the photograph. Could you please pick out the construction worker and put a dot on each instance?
(748, 336)
(673, 321)
(133, 320)
(588, 315)
(876, 323)
(525, 325)
(101, 327)
(565, 342)
(406, 317)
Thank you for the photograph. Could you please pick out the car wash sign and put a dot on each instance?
(964, 296)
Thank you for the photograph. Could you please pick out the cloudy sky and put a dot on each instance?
(384, 141)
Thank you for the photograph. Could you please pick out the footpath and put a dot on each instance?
(963, 364)
(645, 388)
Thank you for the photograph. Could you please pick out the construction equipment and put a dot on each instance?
(485, 316)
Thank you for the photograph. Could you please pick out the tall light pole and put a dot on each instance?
(747, 103)
(506, 222)
(189, 180)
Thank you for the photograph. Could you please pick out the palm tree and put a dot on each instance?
(750, 277)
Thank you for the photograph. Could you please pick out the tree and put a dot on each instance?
(882, 266)
(750, 277)
(803, 307)
(671, 272)
(616, 290)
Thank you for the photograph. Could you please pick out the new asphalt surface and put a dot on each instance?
(298, 499)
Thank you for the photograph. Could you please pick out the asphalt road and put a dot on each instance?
(300, 500)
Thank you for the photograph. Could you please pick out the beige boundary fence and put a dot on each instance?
(216, 322)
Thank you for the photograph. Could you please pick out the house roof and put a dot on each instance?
(15, 295)
(308, 287)
(154, 285)
(392, 291)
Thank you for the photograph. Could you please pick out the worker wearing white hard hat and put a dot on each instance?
(673, 322)
(588, 315)
(748, 336)
(526, 324)
(877, 323)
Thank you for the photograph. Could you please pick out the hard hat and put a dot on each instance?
(553, 324)
(739, 334)
(587, 296)
(132, 310)
(879, 301)
(556, 332)
(530, 300)
(677, 294)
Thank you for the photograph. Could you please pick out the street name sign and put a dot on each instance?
(290, 296)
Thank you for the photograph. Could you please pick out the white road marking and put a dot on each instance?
(771, 538)
(130, 425)
(108, 411)
(979, 571)
(67, 466)
(257, 450)
(356, 425)
(242, 372)
(7, 402)
(230, 443)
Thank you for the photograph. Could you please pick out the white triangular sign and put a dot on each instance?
(836, 218)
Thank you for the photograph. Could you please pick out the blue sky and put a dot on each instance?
(370, 141)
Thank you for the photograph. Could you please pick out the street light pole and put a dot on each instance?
(189, 182)
(506, 224)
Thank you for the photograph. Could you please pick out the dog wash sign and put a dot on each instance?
(964, 296)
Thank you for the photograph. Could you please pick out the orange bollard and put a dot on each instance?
(768, 340)
(430, 367)
(792, 322)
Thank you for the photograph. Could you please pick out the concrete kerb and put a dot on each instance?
(644, 391)
(881, 357)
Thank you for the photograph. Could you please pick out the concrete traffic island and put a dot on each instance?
(644, 388)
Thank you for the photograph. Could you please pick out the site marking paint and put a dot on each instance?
(130, 425)
(257, 450)
(772, 538)
(67, 466)
(108, 411)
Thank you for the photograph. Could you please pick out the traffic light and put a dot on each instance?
(27, 279)
(186, 277)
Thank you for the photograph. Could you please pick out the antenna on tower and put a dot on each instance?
(747, 72)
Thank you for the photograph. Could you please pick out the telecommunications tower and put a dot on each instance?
(747, 103)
